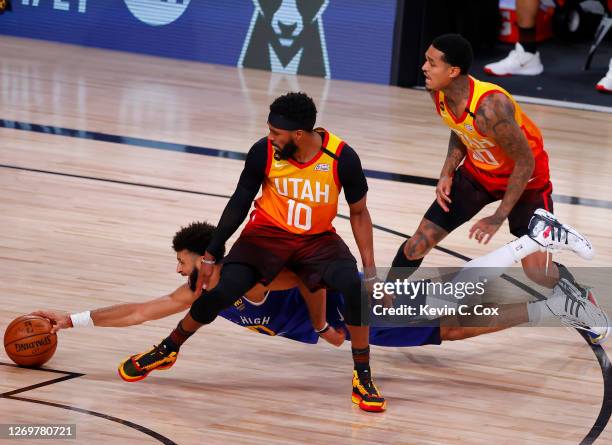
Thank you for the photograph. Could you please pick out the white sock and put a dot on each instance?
(523, 247)
(493, 264)
(538, 311)
(507, 255)
(489, 267)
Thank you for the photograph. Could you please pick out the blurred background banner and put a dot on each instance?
(338, 39)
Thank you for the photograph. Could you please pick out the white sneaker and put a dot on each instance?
(546, 230)
(576, 306)
(605, 84)
(518, 62)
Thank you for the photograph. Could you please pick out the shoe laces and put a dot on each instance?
(365, 382)
(558, 233)
(157, 353)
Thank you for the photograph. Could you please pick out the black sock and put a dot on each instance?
(402, 267)
(177, 337)
(527, 38)
(361, 359)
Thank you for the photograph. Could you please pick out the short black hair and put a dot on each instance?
(195, 238)
(457, 51)
(298, 107)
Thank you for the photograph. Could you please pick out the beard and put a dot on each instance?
(193, 279)
(286, 152)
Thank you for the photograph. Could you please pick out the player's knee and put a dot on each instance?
(231, 287)
(418, 246)
(206, 308)
(203, 310)
(344, 277)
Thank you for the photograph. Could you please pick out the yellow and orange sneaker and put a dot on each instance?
(366, 394)
(138, 366)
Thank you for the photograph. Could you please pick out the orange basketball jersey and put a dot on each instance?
(485, 160)
(301, 198)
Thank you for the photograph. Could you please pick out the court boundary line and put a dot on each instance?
(601, 356)
(12, 395)
(236, 155)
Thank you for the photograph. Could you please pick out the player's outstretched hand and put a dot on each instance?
(443, 192)
(484, 229)
(59, 320)
(334, 336)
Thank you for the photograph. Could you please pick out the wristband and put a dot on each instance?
(323, 330)
(82, 320)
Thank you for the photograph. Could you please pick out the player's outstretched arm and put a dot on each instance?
(126, 314)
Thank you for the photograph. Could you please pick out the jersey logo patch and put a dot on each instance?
(239, 304)
(322, 168)
(280, 164)
(469, 127)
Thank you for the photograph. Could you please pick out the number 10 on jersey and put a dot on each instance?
(297, 213)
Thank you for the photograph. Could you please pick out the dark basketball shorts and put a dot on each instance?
(468, 197)
(269, 249)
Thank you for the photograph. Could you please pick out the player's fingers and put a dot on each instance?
(45, 314)
(39, 314)
(441, 202)
(487, 238)
(446, 189)
(473, 230)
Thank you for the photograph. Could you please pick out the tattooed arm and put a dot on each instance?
(495, 119)
(454, 156)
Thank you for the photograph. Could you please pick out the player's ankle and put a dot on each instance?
(170, 345)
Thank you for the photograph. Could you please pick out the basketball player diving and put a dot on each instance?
(284, 313)
(301, 170)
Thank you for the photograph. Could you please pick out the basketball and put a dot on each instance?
(28, 341)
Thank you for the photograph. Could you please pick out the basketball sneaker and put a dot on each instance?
(605, 84)
(366, 394)
(138, 366)
(576, 306)
(546, 230)
(518, 62)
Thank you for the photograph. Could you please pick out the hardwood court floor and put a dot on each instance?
(87, 223)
